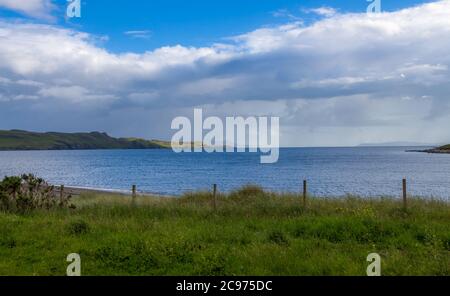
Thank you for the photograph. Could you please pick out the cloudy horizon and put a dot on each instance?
(341, 79)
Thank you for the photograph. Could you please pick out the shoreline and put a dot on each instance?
(431, 151)
(78, 190)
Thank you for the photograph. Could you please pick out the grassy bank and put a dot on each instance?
(251, 233)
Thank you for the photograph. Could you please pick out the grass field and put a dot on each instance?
(250, 233)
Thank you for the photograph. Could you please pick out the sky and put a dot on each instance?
(335, 75)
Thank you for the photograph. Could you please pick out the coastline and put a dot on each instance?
(160, 172)
(78, 190)
(434, 150)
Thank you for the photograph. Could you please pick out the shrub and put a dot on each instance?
(78, 227)
(26, 193)
(446, 242)
(247, 193)
(277, 237)
(250, 190)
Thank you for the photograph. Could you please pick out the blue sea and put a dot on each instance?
(366, 171)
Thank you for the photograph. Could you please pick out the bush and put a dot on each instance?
(78, 227)
(250, 190)
(247, 193)
(26, 193)
(278, 238)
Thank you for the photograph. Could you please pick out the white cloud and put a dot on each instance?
(284, 13)
(140, 34)
(40, 9)
(344, 74)
(323, 11)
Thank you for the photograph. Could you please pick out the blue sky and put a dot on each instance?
(191, 23)
(334, 75)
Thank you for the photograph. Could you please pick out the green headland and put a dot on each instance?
(24, 140)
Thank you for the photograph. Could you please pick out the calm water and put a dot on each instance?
(330, 171)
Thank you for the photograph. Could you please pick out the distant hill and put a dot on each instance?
(24, 140)
(396, 144)
(445, 149)
(441, 149)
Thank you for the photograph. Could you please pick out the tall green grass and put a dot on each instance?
(252, 232)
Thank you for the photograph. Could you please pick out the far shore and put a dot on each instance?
(433, 150)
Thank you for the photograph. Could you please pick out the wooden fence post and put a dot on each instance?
(61, 193)
(305, 191)
(214, 196)
(404, 194)
(133, 191)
